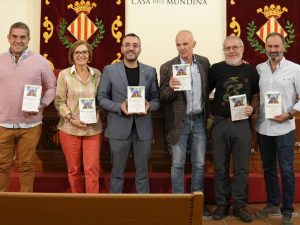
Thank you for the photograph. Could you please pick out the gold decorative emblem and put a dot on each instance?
(49, 26)
(235, 26)
(272, 13)
(115, 27)
(82, 28)
(50, 63)
(118, 59)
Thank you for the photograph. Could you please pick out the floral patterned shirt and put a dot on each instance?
(70, 87)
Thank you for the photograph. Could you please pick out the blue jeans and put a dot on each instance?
(279, 149)
(193, 133)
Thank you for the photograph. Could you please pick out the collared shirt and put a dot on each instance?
(25, 53)
(193, 96)
(286, 80)
(70, 87)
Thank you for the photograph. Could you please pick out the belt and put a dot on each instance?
(194, 116)
(222, 118)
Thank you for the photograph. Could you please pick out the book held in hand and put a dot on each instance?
(273, 104)
(31, 98)
(183, 73)
(238, 103)
(87, 110)
(136, 99)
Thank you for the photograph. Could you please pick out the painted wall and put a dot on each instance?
(27, 11)
(155, 21)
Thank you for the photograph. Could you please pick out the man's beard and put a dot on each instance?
(275, 55)
(233, 62)
(131, 58)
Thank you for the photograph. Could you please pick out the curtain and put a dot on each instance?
(100, 22)
(253, 20)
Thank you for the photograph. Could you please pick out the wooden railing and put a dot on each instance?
(96, 209)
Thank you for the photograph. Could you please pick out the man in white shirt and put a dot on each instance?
(276, 136)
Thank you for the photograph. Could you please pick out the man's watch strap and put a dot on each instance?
(291, 116)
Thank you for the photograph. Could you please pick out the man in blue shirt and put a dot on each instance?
(185, 113)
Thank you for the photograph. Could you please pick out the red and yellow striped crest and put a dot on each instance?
(272, 25)
(82, 28)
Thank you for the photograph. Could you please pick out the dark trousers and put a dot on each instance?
(273, 150)
(119, 154)
(231, 139)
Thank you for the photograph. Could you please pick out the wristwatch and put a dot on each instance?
(291, 116)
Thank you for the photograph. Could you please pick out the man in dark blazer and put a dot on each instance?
(185, 113)
(125, 129)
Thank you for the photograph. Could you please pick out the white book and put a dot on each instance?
(238, 103)
(136, 99)
(31, 98)
(183, 73)
(87, 110)
(273, 104)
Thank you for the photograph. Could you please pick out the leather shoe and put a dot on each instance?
(220, 212)
(242, 213)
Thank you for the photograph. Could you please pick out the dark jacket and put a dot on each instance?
(175, 103)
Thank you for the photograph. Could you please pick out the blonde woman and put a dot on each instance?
(80, 141)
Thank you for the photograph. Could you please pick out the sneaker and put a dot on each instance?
(242, 213)
(220, 212)
(269, 210)
(206, 211)
(286, 220)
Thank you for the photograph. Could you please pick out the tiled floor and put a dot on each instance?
(231, 220)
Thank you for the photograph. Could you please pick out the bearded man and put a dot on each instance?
(276, 136)
(126, 129)
(232, 138)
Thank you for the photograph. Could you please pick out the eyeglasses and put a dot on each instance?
(134, 46)
(234, 48)
(84, 52)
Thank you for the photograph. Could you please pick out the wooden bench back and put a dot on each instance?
(100, 209)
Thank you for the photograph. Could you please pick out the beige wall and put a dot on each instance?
(27, 11)
(156, 24)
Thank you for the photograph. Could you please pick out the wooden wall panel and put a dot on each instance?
(51, 158)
